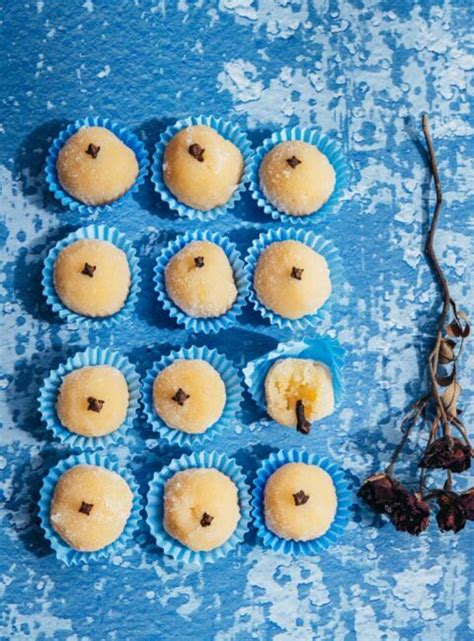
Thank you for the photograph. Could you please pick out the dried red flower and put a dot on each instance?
(379, 491)
(451, 516)
(466, 501)
(440, 454)
(410, 513)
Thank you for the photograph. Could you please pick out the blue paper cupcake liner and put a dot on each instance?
(126, 136)
(320, 245)
(206, 325)
(63, 551)
(321, 348)
(50, 389)
(228, 131)
(233, 387)
(300, 548)
(93, 232)
(154, 507)
(326, 146)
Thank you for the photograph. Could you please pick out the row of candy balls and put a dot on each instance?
(197, 508)
(200, 167)
(187, 394)
(199, 278)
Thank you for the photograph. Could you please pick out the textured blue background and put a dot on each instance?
(363, 71)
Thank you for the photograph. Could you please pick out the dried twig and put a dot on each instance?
(436, 409)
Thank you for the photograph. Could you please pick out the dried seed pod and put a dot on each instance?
(454, 329)
(467, 327)
(450, 397)
(445, 381)
(446, 351)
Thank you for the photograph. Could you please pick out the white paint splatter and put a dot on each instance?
(241, 79)
(105, 72)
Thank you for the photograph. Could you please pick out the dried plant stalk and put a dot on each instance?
(437, 411)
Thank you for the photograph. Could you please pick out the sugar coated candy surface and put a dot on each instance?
(189, 395)
(200, 281)
(296, 178)
(300, 502)
(201, 168)
(95, 167)
(92, 277)
(90, 507)
(291, 279)
(201, 508)
(93, 401)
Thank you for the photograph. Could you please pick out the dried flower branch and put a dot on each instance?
(437, 411)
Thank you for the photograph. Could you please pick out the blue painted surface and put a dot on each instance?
(363, 71)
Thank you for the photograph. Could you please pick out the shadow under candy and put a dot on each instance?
(30, 161)
(23, 502)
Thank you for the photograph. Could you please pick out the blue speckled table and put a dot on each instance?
(363, 71)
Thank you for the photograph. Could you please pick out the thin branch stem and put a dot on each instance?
(431, 438)
(434, 222)
(433, 360)
(459, 425)
(410, 421)
(449, 481)
(433, 407)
